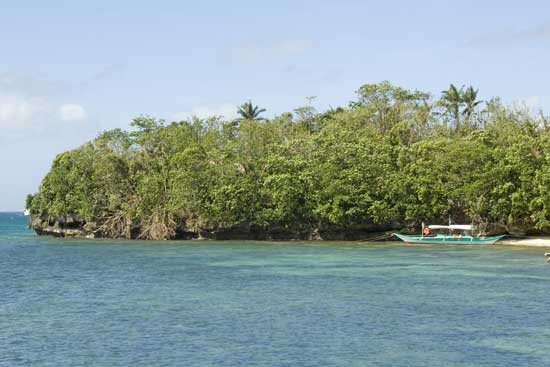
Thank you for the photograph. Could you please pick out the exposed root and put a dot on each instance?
(116, 226)
(159, 226)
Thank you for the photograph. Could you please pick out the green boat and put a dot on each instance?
(455, 236)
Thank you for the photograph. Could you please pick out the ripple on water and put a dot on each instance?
(119, 303)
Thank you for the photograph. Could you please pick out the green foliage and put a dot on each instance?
(459, 102)
(390, 158)
(28, 201)
(248, 111)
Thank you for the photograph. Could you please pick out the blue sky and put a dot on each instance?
(69, 69)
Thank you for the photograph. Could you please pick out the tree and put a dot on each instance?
(248, 111)
(385, 106)
(385, 161)
(469, 97)
(452, 100)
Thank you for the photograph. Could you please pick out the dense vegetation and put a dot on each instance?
(391, 158)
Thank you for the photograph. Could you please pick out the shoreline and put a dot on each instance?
(541, 242)
(77, 229)
(527, 242)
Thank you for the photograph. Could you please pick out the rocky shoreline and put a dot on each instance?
(76, 226)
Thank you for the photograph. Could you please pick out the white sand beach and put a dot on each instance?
(527, 241)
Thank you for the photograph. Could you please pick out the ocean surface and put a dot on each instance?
(67, 302)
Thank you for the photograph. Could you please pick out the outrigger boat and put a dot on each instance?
(455, 236)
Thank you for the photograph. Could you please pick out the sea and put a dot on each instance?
(76, 302)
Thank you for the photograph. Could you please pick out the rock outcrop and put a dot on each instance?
(76, 226)
(63, 226)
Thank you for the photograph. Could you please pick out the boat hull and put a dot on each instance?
(448, 240)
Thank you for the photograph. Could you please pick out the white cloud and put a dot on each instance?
(531, 103)
(18, 112)
(31, 87)
(294, 47)
(540, 32)
(72, 112)
(36, 122)
(35, 107)
(226, 110)
(254, 53)
(13, 109)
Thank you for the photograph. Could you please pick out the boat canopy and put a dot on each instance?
(464, 227)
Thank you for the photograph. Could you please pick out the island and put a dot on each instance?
(391, 159)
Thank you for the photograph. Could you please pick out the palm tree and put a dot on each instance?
(248, 111)
(452, 100)
(469, 98)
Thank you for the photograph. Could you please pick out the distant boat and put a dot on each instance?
(455, 236)
(27, 212)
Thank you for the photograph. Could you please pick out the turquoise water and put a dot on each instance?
(116, 303)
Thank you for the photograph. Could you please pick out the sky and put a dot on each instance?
(71, 69)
